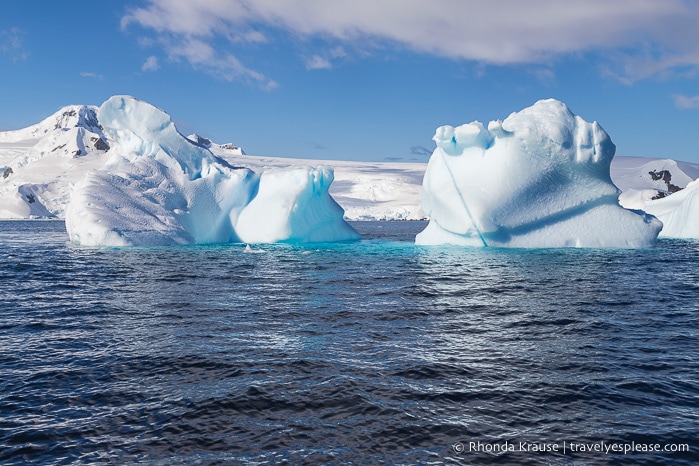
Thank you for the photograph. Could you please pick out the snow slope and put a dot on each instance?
(227, 149)
(540, 178)
(664, 188)
(679, 212)
(642, 179)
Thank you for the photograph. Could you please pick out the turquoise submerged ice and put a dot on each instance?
(540, 178)
(158, 188)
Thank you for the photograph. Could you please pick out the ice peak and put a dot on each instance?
(143, 130)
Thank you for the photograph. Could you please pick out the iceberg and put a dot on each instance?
(540, 178)
(159, 188)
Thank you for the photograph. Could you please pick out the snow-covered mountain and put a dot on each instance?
(642, 180)
(38, 164)
(228, 148)
(664, 188)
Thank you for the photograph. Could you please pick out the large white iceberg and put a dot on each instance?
(160, 188)
(540, 178)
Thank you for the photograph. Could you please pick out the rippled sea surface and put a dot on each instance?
(375, 352)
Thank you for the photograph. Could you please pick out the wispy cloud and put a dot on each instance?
(203, 56)
(511, 32)
(324, 61)
(12, 44)
(86, 74)
(316, 62)
(543, 75)
(420, 150)
(683, 101)
(151, 64)
(187, 33)
(645, 62)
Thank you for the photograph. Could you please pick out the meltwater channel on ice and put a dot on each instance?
(167, 341)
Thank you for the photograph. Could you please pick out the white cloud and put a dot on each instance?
(543, 75)
(317, 62)
(683, 101)
(86, 74)
(500, 33)
(151, 64)
(12, 44)
(324, 61)
(186, 33)
(202, 55)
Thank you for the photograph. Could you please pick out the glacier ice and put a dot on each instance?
(160, 188)
(540, 178)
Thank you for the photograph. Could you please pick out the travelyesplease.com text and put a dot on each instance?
(566, 447)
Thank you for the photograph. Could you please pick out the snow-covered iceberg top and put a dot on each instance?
(160, 188)
(540, 178)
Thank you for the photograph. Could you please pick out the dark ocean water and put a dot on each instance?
(376, 352)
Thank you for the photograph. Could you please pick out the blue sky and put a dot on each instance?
(361, 80)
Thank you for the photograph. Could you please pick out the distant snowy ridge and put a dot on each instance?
(657, 177)
(366, 190)
(72, 116)
(228, 148)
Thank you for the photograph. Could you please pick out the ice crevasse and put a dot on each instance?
(159, 188)
(540, 178)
